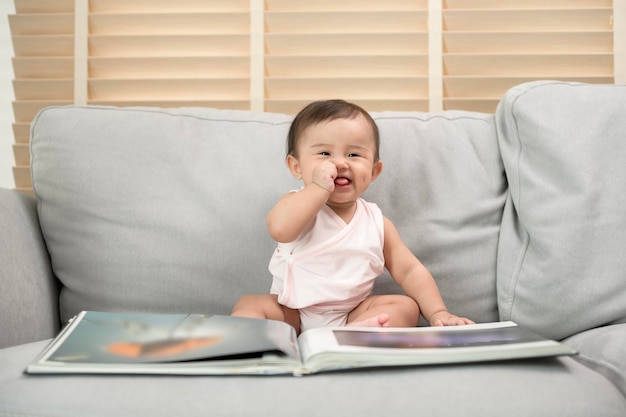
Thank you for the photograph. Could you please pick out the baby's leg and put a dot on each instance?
(266, 306)
(385, 311)
(380, 320)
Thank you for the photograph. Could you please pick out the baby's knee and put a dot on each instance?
(408, 302)
(254, 300)
(406, 310)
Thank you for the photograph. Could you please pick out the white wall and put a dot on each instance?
(6, 97)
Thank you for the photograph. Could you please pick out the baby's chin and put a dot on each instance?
(340, 202)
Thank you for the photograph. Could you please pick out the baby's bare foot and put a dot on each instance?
(381, 320)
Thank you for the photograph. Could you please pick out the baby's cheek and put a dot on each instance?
(366, 178)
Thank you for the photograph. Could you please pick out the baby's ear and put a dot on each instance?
(377, 169)
(294, 166)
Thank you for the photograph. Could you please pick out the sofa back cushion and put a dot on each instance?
(29, 297)
(148, 209)
(561, 256)
(443, 186)
(155, 210)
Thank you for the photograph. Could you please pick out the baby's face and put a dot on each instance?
(347, 144)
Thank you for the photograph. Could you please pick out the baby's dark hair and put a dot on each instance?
(326, 110)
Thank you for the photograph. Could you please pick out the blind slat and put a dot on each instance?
(176, 67)
(22, 177)
(178, 6)
(179, 89)
(547, 66)
(293, 106)
(174, 102)
(347, 66)
(46, 67)
(169, 46)
(346, 44)
(41, 24)
(527, 20)
(472, 104)
(52, 45)
(345, 5)
(26, 110)
(21, 132)
(44, 89)
(47, 6)
(527, 42)
(527, 4)
(348, 88)
(21, 154)
(170, 24)
(495, 87)
(346, 22)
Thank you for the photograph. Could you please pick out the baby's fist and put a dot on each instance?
(324, 175)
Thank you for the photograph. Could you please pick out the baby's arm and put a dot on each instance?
(416, 280)
(294, 211)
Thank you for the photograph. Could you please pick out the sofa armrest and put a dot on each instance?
(29, 291)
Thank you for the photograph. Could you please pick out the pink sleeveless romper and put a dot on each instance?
(331, 267)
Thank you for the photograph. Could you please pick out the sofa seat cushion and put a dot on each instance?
(561, 256)
(603, 349)
(546, 387)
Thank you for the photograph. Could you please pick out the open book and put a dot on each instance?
(193, 344)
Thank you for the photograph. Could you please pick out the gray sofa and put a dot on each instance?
(519, 216)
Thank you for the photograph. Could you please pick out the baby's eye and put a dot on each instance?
(324, 153)
(353, 155)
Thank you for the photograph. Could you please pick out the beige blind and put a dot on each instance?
(277, 55)
(169, 53)
(372, 52)
(491, 45)
(43, 43)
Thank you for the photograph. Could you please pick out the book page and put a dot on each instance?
(154, 338)
(337, 348)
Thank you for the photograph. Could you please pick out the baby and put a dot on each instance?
(332, 244)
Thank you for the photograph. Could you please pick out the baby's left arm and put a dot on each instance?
(416, 280)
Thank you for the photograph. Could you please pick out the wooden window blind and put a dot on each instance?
(43, 44)
(491, 45)
(277, 55)
(367, 51)
(169, 53)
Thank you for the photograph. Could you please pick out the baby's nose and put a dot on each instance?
(340, 161)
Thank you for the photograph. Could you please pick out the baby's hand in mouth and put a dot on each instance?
(325, 175)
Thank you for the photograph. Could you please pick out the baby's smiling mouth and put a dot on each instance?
(342, 181)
